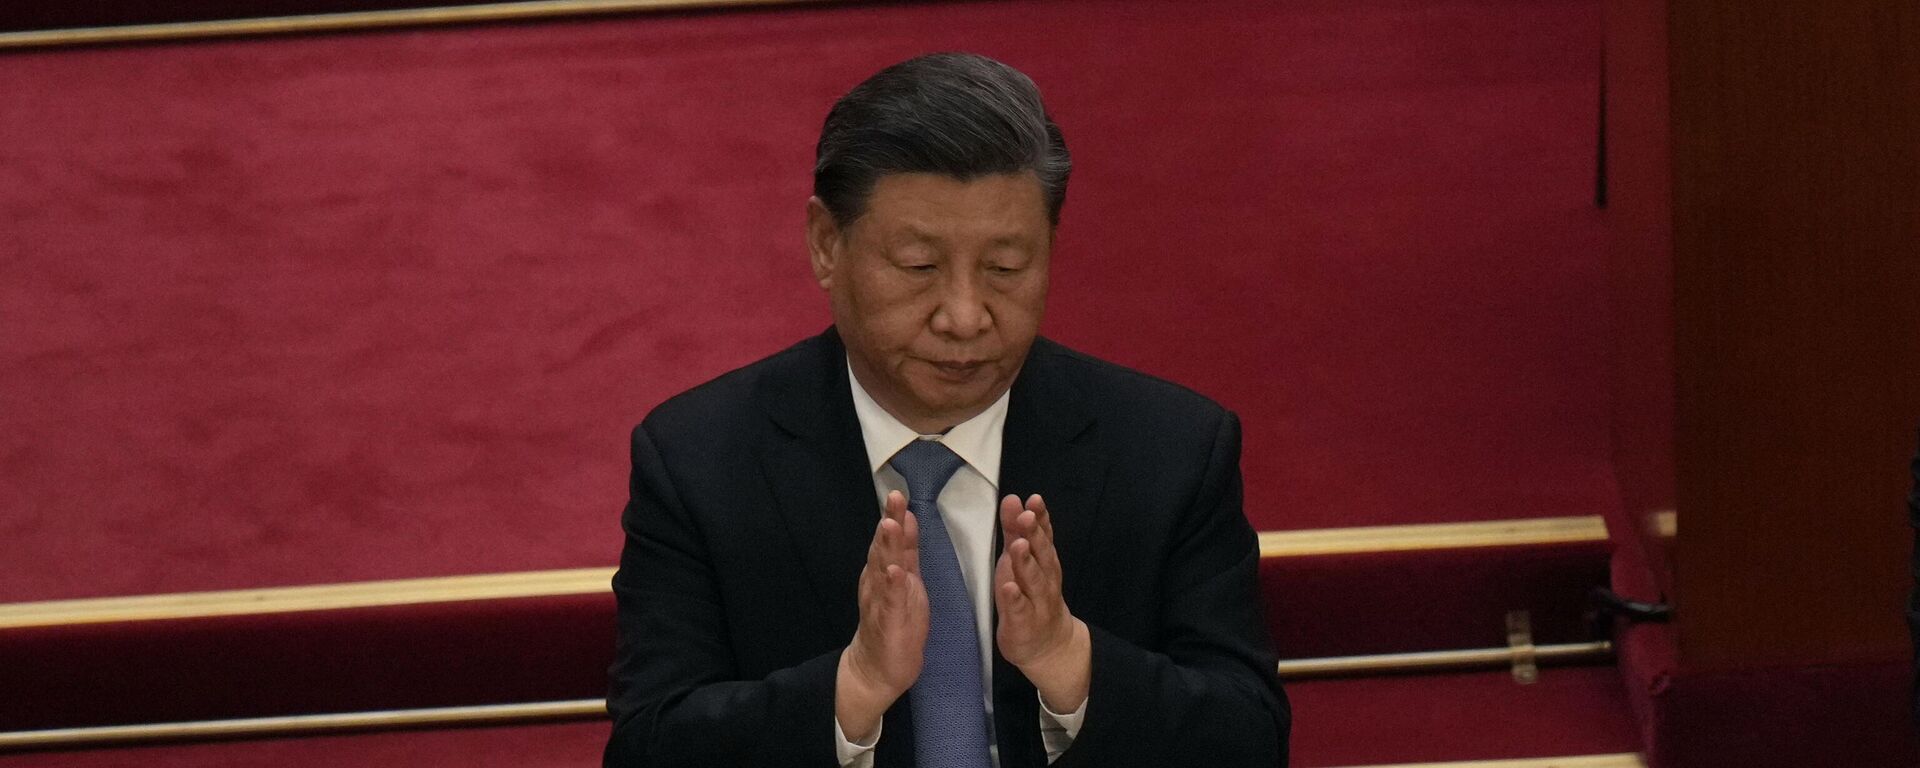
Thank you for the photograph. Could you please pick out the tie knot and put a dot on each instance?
(926, 465)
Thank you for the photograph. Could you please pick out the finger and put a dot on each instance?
(1025, 571)
(1010, 600)
(896, 506)
(1009, 509)
(1042, 517)
(1003, 575)
(876, 548)
(1041, 575)
(1043, 540)
(888, 543)
(910, 543)
(1039, 543)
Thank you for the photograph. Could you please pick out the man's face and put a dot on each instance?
(937, 290)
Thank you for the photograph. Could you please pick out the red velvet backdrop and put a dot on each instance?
(379, 305)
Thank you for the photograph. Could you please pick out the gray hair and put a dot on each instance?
(955, 114)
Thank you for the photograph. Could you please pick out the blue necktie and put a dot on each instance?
(949, 715)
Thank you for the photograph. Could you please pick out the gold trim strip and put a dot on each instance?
(1437, 661)
(357, 20)
(1622, 760)
(1400, 538)
(582, 581)
(262, 727)
(582, 709)
(321, 597)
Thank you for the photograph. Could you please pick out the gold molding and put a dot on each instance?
(319, 597)
(1622, 760)
(583, 581)
(585, 709)
(262, 727)
(358, 20)
(1442, 661)
(1401, 538)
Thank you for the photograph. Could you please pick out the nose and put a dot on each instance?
(963, 312)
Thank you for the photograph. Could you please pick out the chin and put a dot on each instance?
(943, 397)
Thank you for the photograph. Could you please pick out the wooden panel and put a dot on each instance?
(1796, 200)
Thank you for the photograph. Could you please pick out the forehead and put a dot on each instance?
(936, 207)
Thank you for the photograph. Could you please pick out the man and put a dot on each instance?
(927, 537)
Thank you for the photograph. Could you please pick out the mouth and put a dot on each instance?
(957, 370)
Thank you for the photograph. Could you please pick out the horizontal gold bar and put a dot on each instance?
(1399, 538)
(356, 20)
(320, 597)
(262, 727)
(584, 709)
(582, 581)
(1623, 760)
(1438, 661)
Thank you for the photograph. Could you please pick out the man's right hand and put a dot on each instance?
(885, 656)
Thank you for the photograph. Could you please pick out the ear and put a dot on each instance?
(823, 241)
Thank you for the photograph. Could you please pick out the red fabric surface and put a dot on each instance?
(1843, 715)
(399, 657)
(562, 745)
(348, 307)
(1394, 602)
(1570, 711)
(1477, 716)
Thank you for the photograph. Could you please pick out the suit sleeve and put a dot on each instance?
(1211, 694)
(676, 699)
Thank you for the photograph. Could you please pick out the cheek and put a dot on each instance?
(889, 310)
(1019, 306)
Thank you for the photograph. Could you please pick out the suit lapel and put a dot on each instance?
(816, 466)
(1045, 450)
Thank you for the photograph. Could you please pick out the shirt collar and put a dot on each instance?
(976, 440)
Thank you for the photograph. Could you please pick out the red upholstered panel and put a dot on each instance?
(1479, 716)
(1394, 602)
(566, 745)
(401, 657)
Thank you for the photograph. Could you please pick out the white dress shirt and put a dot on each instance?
(968, 505)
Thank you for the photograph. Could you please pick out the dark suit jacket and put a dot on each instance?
(752, 508)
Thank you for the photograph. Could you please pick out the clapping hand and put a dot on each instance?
(888, 648)
(1037, 633)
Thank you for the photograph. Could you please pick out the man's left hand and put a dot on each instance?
(1037, 633)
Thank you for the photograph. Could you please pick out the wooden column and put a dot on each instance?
(1764, 167)
(1796, 275)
